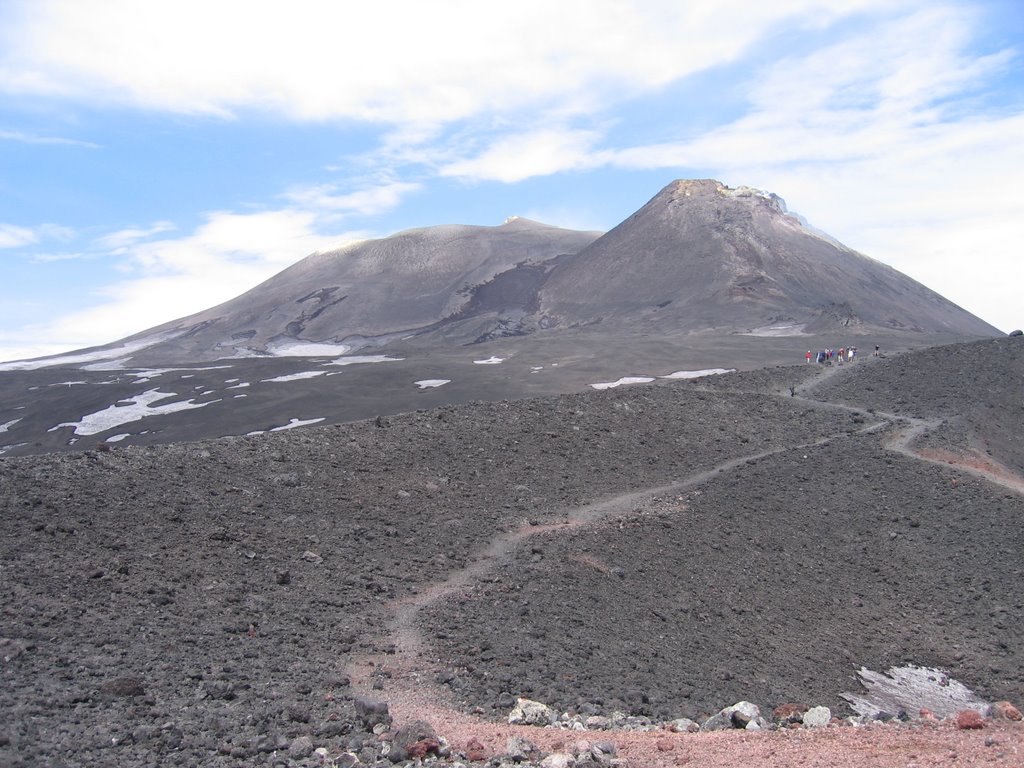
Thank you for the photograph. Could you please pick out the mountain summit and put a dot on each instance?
(701, 256)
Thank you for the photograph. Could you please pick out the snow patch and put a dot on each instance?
(698, 374)
(117, 438)
(293, 423)
(776, 330)
(429, 383)
(308, 349)
(492, 360)
(357, 359)
(623, 380)
(240, 386)
(136, 408)
(296, 376)
(8, 425)
(88, 357)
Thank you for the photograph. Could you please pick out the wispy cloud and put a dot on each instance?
(522, 156)
(12, 236)
(122, 239)
(28, 138)
(398, 61)
(369, 201)
(168, 278)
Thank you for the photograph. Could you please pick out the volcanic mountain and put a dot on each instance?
(702, 257)
(699, 257)
(704, 277)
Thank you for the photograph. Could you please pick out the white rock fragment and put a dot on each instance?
(817, 717)
(529, 712)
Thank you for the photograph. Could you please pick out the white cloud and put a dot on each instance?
(525, 155)
(174, 277)
(391, 61)
(12, 236)
(126, 237)
(28, 138)
(364, 202)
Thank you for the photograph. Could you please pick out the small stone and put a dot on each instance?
(791, 712)
(372, 711)
(519, 749)
(300, 748)
(683, 725)
(969, 720)
(1004, 710)
(312, 557)
(476, 752)
(123, 686)
(558, 760)
(283, 577)
(664, 745)
(817, 717)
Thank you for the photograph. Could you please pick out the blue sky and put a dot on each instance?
(157, 157)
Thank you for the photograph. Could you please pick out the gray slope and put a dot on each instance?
(702, 256)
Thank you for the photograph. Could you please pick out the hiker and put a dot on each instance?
(876, 350)
(808, 356)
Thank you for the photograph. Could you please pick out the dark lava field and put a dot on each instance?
(758, 536)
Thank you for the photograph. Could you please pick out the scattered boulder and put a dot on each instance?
(1004, 710)
(413, 741)
(300, 748)
(817, 717)
(1017, 332)
(123, 686)
(558, 760)
(520, 750)
(528, 712)
(969, 720)
(476, 752)
(790, 712)
(683, 725)
(372, 712)
(743, 714)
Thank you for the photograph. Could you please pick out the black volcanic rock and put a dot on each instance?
(701, 256)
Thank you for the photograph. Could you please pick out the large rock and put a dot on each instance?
(528, 712)
(742, 714)
(817, 717)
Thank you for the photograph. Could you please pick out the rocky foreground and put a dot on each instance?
(659, 551)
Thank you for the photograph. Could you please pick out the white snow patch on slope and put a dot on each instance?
(117, 438)
(698, 374)
(138, 408)
(88, 357)
(240, 386)
(295, 376)
(8, 425)
(429, 383)
(145, 374)
(308, 349)
(293, 423)
(356, 359)
(623, 380)
(492, 360)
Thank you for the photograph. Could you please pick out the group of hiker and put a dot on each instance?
(830, 356)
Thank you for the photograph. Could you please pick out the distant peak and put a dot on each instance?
(709, 187)
(510, 219)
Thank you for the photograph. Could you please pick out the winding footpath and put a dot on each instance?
(406, 676)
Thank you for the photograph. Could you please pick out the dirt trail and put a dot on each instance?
(406, 677)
